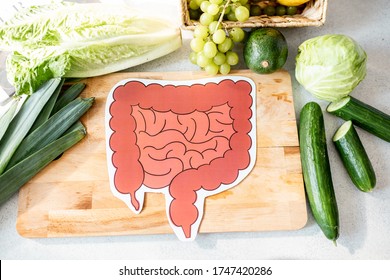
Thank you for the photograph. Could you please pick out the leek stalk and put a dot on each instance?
(23, 121)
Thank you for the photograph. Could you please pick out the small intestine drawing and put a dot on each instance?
(185, 139)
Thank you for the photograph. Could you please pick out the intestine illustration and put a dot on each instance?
(185, 139)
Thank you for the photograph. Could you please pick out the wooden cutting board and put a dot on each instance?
(72, 196)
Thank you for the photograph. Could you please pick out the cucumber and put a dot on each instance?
(316, 170)
(354, 157)
(365, 116)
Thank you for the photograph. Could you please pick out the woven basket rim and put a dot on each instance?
(313, 15)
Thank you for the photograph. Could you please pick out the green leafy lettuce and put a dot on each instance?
(80, 40)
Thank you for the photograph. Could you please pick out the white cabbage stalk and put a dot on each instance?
(80, 40)
(330, 66)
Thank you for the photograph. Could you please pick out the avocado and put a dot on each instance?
(265, 50)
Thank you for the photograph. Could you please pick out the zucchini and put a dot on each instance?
(354, 157)
(316, 170)
(363, 115)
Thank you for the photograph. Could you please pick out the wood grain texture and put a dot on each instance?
(72, 197)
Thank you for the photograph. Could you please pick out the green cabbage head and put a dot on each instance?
(330, 66)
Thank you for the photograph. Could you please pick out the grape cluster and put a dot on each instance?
(212, 45)
(255, 7)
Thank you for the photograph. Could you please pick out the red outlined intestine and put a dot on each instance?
(188, 141)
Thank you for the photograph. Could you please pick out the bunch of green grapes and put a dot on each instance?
(255, 7)
(212, 45)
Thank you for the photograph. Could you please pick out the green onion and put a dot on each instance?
(14, 178)
(23, 121)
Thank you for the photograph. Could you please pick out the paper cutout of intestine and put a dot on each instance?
(185, 139)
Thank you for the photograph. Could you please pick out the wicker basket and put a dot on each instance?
(313, 15)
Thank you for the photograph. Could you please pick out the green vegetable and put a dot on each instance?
(7, 117)
(354, 157)
(316, 170)
(48, 108)
(76, 126)
(67, 96)
(362, 115)
(80, 40)
(23, 121)
(52, 129)
(330, 66)
(14, 178)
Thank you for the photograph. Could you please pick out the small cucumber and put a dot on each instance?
(362, 115)
(316, 170)
(354, 157)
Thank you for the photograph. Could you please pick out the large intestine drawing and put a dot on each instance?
(186, 139)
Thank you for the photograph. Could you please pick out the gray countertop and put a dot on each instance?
(364, 217)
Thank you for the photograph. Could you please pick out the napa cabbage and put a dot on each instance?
(66, 39)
